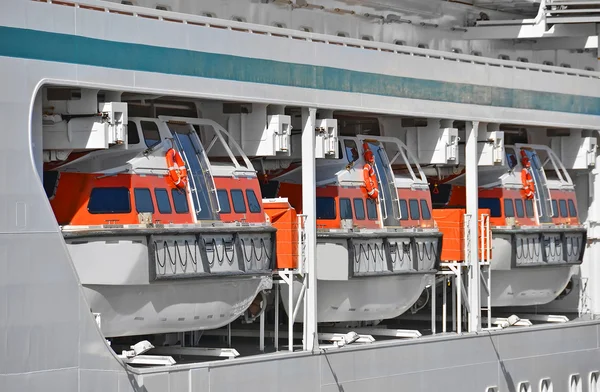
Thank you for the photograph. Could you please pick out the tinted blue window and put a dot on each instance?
(359, 209)
(403, 210)
(425, 210)
(345, 209)
(162, 200)
(509, 208)
(239, 205)
(224, 201)
(492, 204)
(143, 200)
(519, 208)
(371, 209)
(572, 209)
(253, 204)
(151, 134)
(414, 209)
(529, 208)
(563, 208)
(326, 208)
(133, 137)
(180, 201)
(109, 201)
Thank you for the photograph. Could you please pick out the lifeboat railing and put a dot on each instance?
(192, 178)
(219, 132)
(325, 39)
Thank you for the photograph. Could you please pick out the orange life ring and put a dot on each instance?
(370, 179)
(177, 170)
(528, 184)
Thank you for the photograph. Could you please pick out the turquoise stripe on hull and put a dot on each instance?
(64, 48)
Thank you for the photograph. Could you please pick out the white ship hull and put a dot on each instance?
(364, 299)
(173, 280)
(48, 338)
(166, 307)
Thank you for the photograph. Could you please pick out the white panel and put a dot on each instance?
(433, 145)
(574, 152)
(274, 140)
(491, 149)
(326, 143)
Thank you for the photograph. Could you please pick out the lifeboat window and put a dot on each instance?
(359, 209)
(414, 209)
(563, 208)
(572, 209)
(351, 150)
(239, 205)
(162, 201)
(180, 201)
(345, 209)
(133, 137)
(253, 204)
(143, 200)
(491, 203)
(509, 208)
(425, 210)
(224, 201)
(326, 208)
(519, 208)
(109, 201)
(529, 208)
(403, 210)
(151, 134)
(371, 209)
(554, 209)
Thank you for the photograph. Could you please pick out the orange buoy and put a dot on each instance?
(177, 170)
(369, 175)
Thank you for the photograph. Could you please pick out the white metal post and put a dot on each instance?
(471, 250)
(290, 283)
(444, 288)
(433, 294)
(309, 209)
(276, 339)
(459, 283)
(454, 303)
(261, 337)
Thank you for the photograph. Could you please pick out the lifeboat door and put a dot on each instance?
(201, 183)
(543, 200)
(388, 195)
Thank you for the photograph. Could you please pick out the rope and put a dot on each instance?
(178, 253)
(550, 250)
(536, 249)
(229, 260)
(254, 250)
(246, 258)
(426, 252)
(394, 253)
(214, 252)
(157, 255)
(264, 246)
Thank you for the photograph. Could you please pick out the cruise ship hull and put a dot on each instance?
(49, 340)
